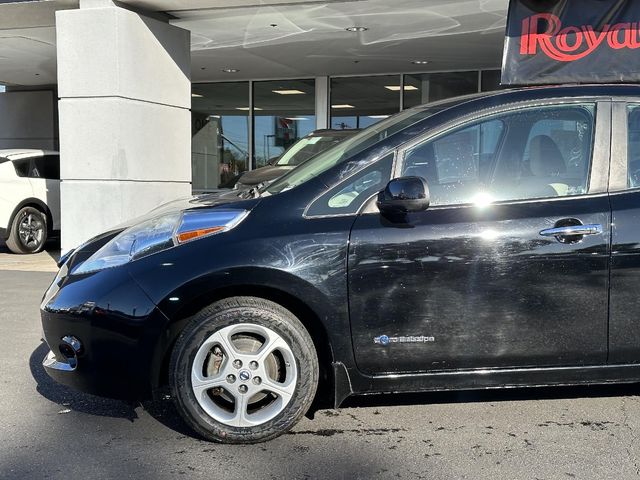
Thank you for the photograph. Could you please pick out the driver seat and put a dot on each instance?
(546, 165)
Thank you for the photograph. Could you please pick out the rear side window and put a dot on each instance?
(22, 167)
(633, 153)
(46, 167)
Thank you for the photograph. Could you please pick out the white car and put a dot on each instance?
(29, 198)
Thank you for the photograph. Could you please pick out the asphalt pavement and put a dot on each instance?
(49, 431)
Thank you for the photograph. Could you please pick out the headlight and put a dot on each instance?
(160, 233)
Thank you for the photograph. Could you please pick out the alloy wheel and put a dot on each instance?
(244, 375)
(31, 231)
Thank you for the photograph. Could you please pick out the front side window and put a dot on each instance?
(537, 152)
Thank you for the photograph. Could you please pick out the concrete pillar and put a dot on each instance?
(124, 114)
(322, 102)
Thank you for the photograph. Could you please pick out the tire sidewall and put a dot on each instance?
(206, 324)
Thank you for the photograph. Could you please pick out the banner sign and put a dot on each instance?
(572, 41)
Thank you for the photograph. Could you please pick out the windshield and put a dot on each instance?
(305, 148)
(354, 145)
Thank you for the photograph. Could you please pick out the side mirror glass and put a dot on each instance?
(404, 195)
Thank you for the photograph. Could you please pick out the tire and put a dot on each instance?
(28, 232)
(279, 371)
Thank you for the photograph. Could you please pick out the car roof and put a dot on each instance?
(329, 132)
(21, 153)
(543, 91)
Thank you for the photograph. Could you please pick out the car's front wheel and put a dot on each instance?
(28, 232)
(244, 370)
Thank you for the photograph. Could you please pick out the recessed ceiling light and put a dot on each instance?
(230, 70)
(288, 92)
(396, 88)
(246, 109)
(356, 29)
(297, 119)
(196, 95)
(420, 62)
(378, 116)
(345, 105)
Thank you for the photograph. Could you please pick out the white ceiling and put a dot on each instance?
(308, 39)
(28, 42)
(311, 39)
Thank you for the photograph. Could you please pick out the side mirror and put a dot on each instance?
(403, 195)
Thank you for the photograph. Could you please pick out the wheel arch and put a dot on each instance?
(35, 203)
(308, 316)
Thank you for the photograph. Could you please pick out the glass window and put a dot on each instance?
(284, 112)
(533, 153)
(220, 134)
(633, 153)
(430, 87)
(358, 102)
(22, 167)
(347, 197)
(47, 166)
(354, 145)
(310, 146)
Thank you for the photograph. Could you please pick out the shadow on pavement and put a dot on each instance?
(162, 410)
(74, 400)
(52, 248)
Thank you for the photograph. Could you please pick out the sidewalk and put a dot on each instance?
(40, 262)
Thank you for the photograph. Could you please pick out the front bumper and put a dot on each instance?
(118, 330)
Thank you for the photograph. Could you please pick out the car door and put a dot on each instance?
(624, 326)
(13, 189)
(45, 181)
(509, 266)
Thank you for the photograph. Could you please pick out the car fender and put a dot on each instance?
(328, 320)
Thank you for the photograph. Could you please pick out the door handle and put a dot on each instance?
(573, 230)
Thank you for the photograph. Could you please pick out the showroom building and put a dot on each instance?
(149, 100)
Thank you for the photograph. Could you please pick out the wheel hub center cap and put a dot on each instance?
(244, 375)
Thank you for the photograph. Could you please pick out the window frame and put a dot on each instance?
(600, 153)
(345, 180)
(619, 176)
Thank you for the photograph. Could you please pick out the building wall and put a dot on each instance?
(28, 120)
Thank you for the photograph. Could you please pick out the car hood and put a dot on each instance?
(214, 199)
(264, 174)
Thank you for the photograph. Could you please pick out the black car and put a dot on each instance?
(298, 153)
(482, 242)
